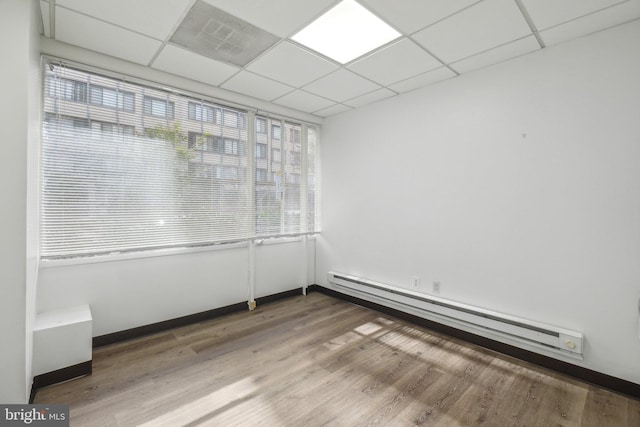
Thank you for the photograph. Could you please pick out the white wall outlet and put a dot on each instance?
(436, 287)
(415, 280)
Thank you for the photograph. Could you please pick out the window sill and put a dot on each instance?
(114, 257)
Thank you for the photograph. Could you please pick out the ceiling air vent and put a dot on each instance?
(213, 33)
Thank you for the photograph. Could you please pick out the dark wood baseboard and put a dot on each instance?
(152, 328)
(278, 296)
(59, 375)
(597, 378)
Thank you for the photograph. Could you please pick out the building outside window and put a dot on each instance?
(204, 113)
(158, 107)
(276, 132)
(172, 173)
(112, 98)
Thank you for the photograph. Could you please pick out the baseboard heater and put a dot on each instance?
(511, 328)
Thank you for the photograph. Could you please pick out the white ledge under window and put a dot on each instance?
(126, 256)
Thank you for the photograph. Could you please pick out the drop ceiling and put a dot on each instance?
(245, 46)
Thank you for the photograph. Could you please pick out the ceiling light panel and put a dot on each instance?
(345, 32)
(218, 35)
(280, 17)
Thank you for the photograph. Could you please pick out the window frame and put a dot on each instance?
(150, 105)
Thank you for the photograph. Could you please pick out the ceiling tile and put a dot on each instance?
(256, 86)
(218, 35)
(280, 17)
(412, 15)
(341, 85)
(154, 18)
(425, 79)
(607, 18)
(395, 62)
(547, 13)
(291, 65)
(179, 61)
(370, 98)
(304, 101)
(81, 30)
(498, 54)
(333, 110)
(46, 24)
(482, 26)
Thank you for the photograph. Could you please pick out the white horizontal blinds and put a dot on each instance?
(279, 195)
(292, 163)
(268, 176)
(313, 181)
(127, 167)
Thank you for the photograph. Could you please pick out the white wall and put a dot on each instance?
(18, 44)
(517, 187)
(129, 293)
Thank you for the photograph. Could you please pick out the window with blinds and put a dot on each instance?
(128, 167)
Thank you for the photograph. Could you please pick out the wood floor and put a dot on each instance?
(316, 361)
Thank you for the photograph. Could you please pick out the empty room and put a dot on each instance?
(320, 212)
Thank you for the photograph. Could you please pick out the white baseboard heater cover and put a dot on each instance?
(558, 340)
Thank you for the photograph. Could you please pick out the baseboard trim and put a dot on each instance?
(60, 375)
(190, 319)
(280, 295)
(600, 379)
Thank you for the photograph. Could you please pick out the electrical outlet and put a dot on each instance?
(416, 282)
(436, 287)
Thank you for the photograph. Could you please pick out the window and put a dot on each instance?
(261, 175)
(66, 89)
(112, 128)
(112, 98)
(295, 158)
(211, 143)
(231, 146)
(203, 113)
(275, 132)
(281, 202)
(261, 125)
(261, 151)
(137, 182)
(230, 172)
(231, 119)
(293, 178)
(158, 107)
(275, 155)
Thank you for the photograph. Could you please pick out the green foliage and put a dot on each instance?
(177, 138)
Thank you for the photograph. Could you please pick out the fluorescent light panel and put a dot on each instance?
(346, 32)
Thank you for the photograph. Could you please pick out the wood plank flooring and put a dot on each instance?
(320, 361)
